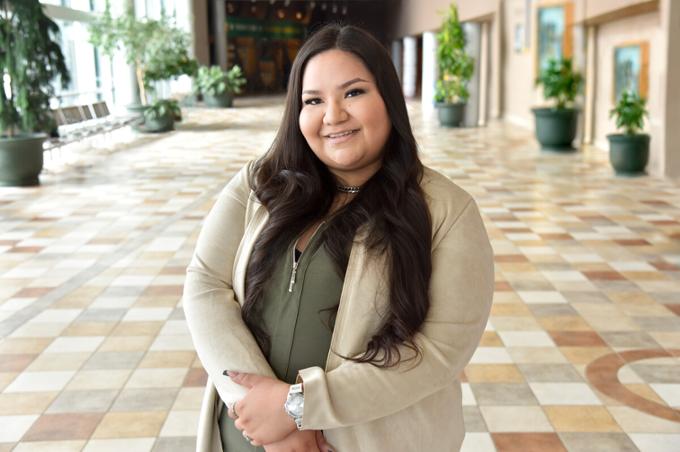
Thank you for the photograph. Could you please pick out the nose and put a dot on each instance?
(335, 113)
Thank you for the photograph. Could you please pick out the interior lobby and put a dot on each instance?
(582, 348)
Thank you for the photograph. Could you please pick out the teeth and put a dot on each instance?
(337, 135)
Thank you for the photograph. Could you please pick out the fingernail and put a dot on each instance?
(225, 373)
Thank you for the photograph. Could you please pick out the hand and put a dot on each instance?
(301, 441)
(260, 412)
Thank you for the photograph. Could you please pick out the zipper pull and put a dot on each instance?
(292, 277)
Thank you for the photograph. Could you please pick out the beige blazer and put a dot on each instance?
(358, 406)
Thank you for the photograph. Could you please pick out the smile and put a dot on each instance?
(346, 133)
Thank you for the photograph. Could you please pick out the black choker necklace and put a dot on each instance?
(348, 188)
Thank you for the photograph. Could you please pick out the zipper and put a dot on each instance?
(293, 272)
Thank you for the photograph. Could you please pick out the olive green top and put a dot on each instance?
(296, 319)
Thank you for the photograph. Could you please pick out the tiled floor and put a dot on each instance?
(582, 351)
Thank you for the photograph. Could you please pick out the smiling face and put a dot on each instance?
(343, 116)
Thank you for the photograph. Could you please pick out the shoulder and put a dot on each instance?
(239, 186)
(443, 196)
(448, 203)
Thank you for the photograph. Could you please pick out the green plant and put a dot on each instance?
(162, 108)
(156, 48)
(560, 81)
(30, 59)
(630, 111)
(455, 65)
(214, 82)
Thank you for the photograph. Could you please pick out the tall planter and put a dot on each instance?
(21, 159)
(224, 100)
(451, 114)
(629, 154)
(30, 60)
(556, 127)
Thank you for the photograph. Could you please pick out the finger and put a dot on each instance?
(324, 446)
(239, 424)
(242, 378)
(230, 411)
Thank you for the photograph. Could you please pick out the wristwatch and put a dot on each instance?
(295, 403)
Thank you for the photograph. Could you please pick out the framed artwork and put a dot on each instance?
(554, 32)
(631, 69)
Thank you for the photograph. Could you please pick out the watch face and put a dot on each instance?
(296, 404)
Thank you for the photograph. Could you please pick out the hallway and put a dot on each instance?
(582, 348)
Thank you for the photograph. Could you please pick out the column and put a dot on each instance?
(483, 74)
(591, 81)
(220, 34)
(410, 66)
(396, 57)
(430, 71)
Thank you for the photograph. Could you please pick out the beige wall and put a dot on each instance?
(519, 94)
(670, 10)
(646, 27)
(418, 16)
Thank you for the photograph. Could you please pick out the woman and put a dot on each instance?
(338, 262)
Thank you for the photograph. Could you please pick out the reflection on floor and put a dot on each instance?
(582, 351)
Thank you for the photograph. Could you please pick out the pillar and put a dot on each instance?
(396, 57)
(429, 72)
(410, 66)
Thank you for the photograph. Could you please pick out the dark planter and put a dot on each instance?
(158, 125)
(224, 100)
(21, 159)
(629, 154)
(450, 115)
(556, 128)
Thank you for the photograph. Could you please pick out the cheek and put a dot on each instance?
(309, 125)
(378, 122)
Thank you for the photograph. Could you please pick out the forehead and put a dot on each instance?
(333, 67)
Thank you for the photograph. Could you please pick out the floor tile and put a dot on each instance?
(116, 445)
(564, 394)
(604, 442)
(14, 427)
(477, 442)
(527, 442)
(83, 401)
(67, 426)
(581, 419)
(130, 425)
(656, 442)
(515, 419)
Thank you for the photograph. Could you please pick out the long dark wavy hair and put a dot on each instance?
(297, 189)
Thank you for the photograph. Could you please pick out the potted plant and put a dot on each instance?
(629, 151)
(218, 87)
(556, 125)
(160, 116)
(30, 59)
(156, 48)
(455, 70)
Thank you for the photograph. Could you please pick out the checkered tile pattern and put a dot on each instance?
(582, 351)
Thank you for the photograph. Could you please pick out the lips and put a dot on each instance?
(342, 134)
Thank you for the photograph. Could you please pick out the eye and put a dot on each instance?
(354, 92)
(312, 101)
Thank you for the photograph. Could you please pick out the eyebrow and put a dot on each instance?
(342, 86)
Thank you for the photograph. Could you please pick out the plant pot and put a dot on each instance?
(629, 154)
(158, 125)
(556, 128)
(450, 115)
(224, 100)
(21, 159)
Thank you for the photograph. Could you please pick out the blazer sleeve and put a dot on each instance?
(461, 292)
(213, 314)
